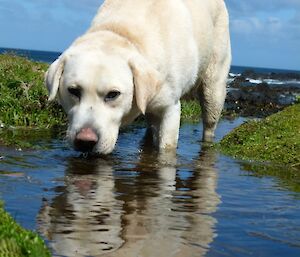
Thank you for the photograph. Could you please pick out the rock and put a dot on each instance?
(259, 100)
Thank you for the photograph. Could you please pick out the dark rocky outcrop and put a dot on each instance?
(259, 100)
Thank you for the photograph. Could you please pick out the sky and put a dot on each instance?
(264, 33)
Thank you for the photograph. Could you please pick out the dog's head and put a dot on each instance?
(100, 92)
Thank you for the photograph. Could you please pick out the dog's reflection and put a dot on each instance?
(151, 207)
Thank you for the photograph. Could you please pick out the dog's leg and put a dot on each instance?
(213, 80)
(165, 127)
(212, 96)
(212, 91)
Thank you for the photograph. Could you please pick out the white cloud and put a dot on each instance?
(267, 32)
(273, 19)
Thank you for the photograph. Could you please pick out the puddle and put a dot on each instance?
(135, 203)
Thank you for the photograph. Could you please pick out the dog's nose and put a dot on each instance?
(85, 140)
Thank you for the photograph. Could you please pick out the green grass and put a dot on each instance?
(24, 96)
(275, 139)
(18, 242)
(190, 111)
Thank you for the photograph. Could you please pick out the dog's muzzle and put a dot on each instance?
(85, 140)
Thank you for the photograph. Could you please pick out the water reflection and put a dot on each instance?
(139, 204)
(155, 206)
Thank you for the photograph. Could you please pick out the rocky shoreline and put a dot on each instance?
(261, 94)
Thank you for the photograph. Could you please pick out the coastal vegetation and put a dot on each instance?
(16, 241)
(23, 95)
(275, 139)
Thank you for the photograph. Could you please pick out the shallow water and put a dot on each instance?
(136, 203)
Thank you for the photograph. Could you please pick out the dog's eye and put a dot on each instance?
(111, 96)
(74, 91)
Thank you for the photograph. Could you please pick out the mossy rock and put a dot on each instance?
(275, 139)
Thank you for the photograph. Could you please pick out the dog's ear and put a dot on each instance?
(53, 76)
(146, 81)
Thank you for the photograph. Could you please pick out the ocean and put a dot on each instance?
(235, 71)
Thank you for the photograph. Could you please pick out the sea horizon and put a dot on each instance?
(51, 56)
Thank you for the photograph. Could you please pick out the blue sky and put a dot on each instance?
(264, 33)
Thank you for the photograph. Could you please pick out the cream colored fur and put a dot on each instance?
(152, 52)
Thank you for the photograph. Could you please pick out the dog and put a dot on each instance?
(140, 57)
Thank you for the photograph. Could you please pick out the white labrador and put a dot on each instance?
(140, 57)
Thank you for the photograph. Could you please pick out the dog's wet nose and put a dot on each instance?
(85, 140)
